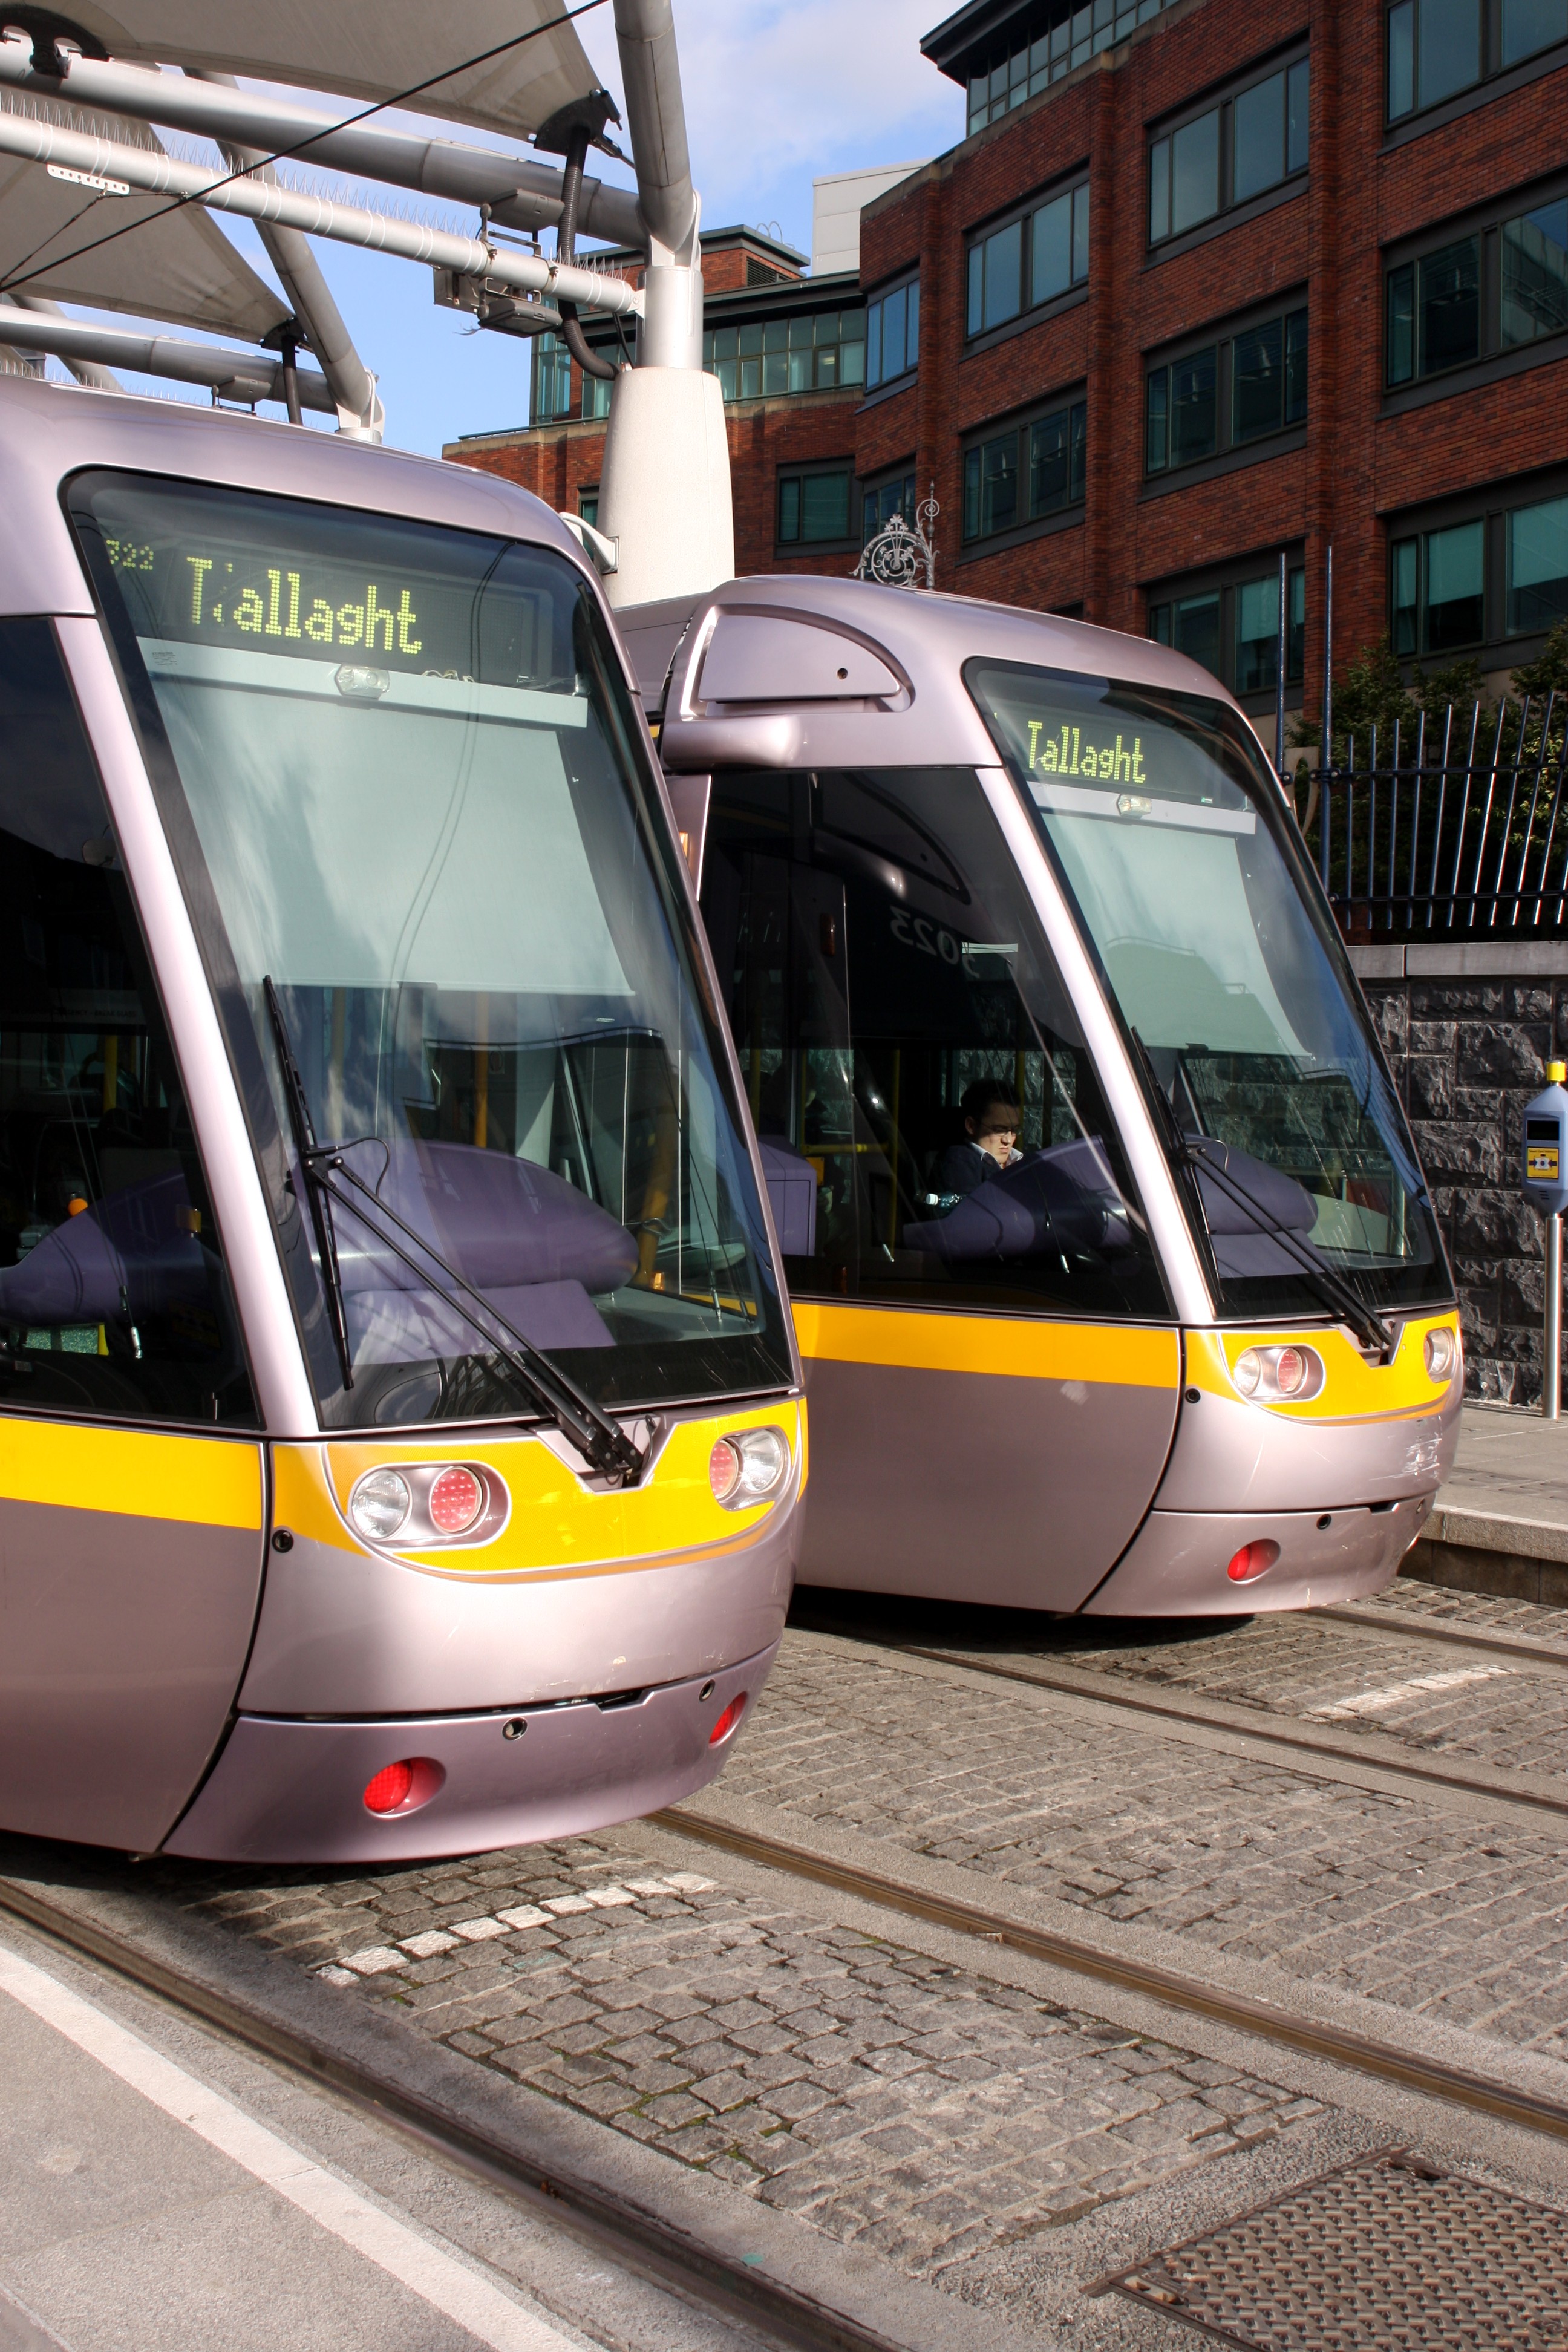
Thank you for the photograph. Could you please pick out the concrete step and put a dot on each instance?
(1501, 1524)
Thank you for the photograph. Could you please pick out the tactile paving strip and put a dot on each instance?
(1386, 2254)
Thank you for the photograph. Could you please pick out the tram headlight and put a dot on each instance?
(748, 1467)
(1442, 1352)
(380, 1503)
(1278, 1375)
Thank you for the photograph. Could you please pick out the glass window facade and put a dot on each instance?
(813, 506)
(1068, 33)
(1438, 48)
(1029, 262)
(893, 334)
(1028, 473)
(1494, 290)
(1232, 627)
(808, 351)
(1239, 149)
(551, 380)
(1226, 393)
(1474, 581)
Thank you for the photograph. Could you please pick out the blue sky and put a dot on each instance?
(777, 92)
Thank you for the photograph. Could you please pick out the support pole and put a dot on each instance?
(1279, 680)
(1326, 756)
(1552, 1348)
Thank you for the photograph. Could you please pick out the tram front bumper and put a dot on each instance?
(1179, 1564)
(291, 1791)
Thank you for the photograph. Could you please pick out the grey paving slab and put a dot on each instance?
(1510, 1465)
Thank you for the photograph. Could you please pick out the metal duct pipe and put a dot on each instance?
(359, 412)
(519, 193)
(656, 119)
(160, 174)
(87, 371)
(242, 375)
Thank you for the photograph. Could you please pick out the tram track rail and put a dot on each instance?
(1268, 2020)
(1229, 1719)
(613, 2225)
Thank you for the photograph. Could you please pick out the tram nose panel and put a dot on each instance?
(1368, 1433)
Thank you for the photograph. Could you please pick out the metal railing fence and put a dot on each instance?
(1448, 828)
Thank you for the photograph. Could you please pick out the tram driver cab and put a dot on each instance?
(1196, 1341)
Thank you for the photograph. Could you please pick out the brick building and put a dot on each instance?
(1203, 285)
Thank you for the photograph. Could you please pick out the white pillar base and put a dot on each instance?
(664, 491)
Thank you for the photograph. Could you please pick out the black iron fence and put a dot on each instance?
(1450, 828)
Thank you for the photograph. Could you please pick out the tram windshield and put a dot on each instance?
(1222, 956)
(402, 780)
(900, 1017)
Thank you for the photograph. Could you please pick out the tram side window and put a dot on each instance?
(113, 1298)
(885, 969)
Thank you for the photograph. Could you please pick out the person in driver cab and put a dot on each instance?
(991, 1121)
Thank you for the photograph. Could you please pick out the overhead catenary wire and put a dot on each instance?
(398, 98)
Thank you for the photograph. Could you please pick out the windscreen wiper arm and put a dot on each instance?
(1335, 1294)
(603, 1444)
(316, 1193)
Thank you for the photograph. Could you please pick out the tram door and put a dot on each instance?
(131, 1517)
(992, 1361)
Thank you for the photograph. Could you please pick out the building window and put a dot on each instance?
(588, 505)
(813, 506)
(807, 351)
(883, 501)
(1502, 286)
(1232, 627)
(892, 334)
(1437, 48)
(1229, 393)
(1070, 33)
(1439, 580)
(1030, 472)
(596, 391)
(1240, 149)
(1029, 261)
(551, 380)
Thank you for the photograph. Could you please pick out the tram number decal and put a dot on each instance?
(919, 931)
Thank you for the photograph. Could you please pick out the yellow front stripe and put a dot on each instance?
(1020, 1347)
(211, 1482)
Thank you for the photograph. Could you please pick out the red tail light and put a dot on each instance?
(1254, 1560)
(456, 1501)
(403, 1787)
(728, 1720)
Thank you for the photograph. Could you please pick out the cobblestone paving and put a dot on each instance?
(1506, 1712)
(906, 2106)
(1386, 1895)
(1489, 1613)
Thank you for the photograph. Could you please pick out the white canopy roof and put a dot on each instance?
(179, 266)
(366, 49)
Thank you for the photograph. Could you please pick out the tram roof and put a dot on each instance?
(805, 718)
(49, 431)
(364, 49)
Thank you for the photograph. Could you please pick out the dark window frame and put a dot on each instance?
(1069, 185)
(814, 469)
(1159, 152)
(714, 364)
(1490, 506)
(1493, 67)
(1291, 313)
(1224, 582)
(1071, 403)
(905, 480)
(906, 282)
(1484, 227)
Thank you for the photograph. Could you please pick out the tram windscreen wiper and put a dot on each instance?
(1187, 1150)
(602, 1443)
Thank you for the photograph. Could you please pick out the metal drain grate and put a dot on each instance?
(1386, 2254)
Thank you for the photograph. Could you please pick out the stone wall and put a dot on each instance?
(1468, 1032)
